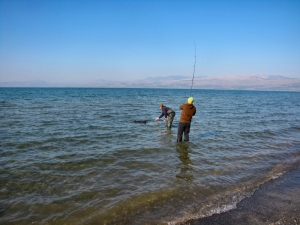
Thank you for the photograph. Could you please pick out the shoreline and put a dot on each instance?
(276, 202)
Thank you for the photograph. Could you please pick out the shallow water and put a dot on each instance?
(74, 156)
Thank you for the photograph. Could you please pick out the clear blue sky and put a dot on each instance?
(84, 41)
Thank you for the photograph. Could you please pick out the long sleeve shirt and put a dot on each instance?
(164, 112)
(188, 111)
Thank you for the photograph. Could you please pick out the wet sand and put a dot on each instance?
(276, 203)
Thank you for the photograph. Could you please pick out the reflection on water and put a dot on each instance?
(186, 170)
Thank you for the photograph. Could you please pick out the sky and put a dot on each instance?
(81, 41)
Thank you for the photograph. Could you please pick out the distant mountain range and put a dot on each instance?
(245, 82)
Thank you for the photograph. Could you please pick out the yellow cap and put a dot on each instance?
(190, 100)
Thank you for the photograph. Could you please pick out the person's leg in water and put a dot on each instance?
(181, 128)
(170, 120)
(187, 131)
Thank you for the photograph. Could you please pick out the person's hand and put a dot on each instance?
(156, 119)
(165, 119)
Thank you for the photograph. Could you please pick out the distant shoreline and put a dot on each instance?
(53, 87)
(246, 82)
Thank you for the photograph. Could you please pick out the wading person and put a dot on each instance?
(166, 112)
(188, 111)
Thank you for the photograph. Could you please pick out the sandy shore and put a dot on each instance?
(276, 203)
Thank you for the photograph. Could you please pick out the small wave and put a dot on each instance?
(217, 204)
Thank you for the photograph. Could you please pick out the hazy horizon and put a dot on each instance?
(246, 82)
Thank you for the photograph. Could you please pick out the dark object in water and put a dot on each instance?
(140, 121)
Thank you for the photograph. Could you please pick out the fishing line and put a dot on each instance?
(194, 71)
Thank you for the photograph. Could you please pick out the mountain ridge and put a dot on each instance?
(241, 82)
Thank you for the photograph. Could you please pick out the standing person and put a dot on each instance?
(166, 111)
(188, 111)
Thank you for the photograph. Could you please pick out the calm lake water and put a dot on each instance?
(74, 155)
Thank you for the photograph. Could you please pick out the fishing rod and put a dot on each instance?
(194, 71)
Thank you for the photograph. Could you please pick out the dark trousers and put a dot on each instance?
(183, 128)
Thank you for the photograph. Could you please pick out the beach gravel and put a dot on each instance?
(275, 203)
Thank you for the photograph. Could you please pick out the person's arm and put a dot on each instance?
(166, 113)
(163, 113)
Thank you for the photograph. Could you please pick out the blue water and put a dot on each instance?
(75, 156)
